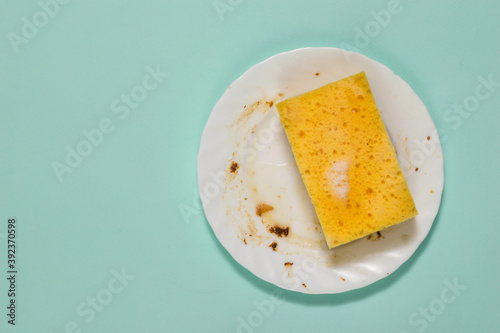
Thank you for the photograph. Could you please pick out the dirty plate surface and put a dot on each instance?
(254, 197)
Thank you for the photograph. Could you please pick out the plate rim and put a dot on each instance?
(440, 167)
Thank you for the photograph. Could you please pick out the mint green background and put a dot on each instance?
(120, 208)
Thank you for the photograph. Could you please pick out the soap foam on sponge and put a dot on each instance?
(338, 178)
(346, 160)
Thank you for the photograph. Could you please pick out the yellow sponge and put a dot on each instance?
(346, 160)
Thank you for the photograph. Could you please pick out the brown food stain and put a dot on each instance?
(247, 113)
(339, 258)
(250, 231)
(288, 266)
(279, 231)
(263, 208)
(416, 169)
(251, 226)
(405, 238)
(305, 287)
(234, 167)
(342, 278)
(262, 105)
(273, 246)
(407, 150)
(375, 236)
(317, 73)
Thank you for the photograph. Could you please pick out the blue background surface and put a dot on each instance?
(130, 207)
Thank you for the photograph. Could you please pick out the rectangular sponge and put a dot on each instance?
(346, 160)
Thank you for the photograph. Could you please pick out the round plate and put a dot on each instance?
(254, 197)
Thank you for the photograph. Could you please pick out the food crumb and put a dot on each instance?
(273, 246)
(304, 285)
(245, 241)
(416, 169)
(375, 236)
(342, 278)
(270, 103)
(288, 264)
(317, 73)
(279, 231)
(234, 166)
(428, 138)
(263, 208)
(432, 191)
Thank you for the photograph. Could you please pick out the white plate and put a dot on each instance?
(244, 128)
